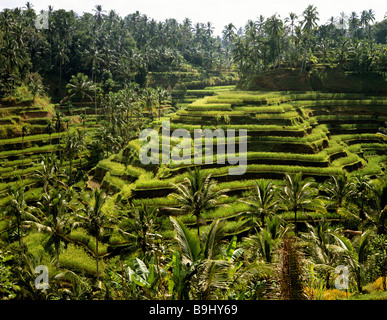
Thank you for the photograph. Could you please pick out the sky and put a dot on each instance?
(219, 12)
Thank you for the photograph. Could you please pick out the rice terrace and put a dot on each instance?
(156, 160)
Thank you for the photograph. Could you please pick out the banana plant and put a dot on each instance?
(141, 275)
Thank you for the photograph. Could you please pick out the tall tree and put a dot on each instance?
(94, 220)
(264, 201)
(299, 194)
(309, 23)
(196, 194)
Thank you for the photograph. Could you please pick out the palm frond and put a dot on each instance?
(188, 242)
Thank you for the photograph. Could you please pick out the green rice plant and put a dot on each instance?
(19, 162)
(373, 166)
(113, 181)
(357, 136)
(126, 191)
(35, 137)
(75, 258)
(80, 236)
(255, 127)
(33, 194)
(157, 183)
(116, 238)
(115, 168)
(226, 211)
(5, 170)
(234, 227)
(222, 100)
(35, 243)
(135, 171)
(284, 115)
(209, 113)
(334, 148)
(157, 202)
(350, 159)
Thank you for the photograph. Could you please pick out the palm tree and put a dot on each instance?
(49, 130)
(298, 194)
(49, 174)
(148, 100)
(62, 57)
(140, 224)
(98, 15)
(196, 194)
(163, 97)
(275, 29)
(79, 85)
(74, 145)
(263, 244)
(355, 254)
(264, 201)
(291, 20)
(18, 207)
(94, 220)
(201, 260)
(336, 190)
(319, 240)
(361, 193)
(353, 23)
(53, 218)
(229, 33)
(94, 58)
(24, 132)
(309, 22)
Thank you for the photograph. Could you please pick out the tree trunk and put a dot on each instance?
(97, 258)
(295, 222)
(57, 242)
(22, 156)
(71, 168)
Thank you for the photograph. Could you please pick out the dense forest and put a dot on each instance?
(78, 205)
(114, 51)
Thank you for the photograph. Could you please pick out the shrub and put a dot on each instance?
(335, 294)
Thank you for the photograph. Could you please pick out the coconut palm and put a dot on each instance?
(52, 218)
(25, 131)
(299, 194)
(162, 97)
(140, 225)
(62, 58)
(275, 30)
(98, 14)
(93, 219)
(148, 100)
(291, 270)
(264, 201)
(49, 174)
(361, 193)
(79, 85)
(202, 265)
(195, 194)
(74, 146)
(309, 22)
(336, 190)
(18, 207)
(319, 240)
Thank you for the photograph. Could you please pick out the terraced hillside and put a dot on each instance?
(32, 128)
(318, 134)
